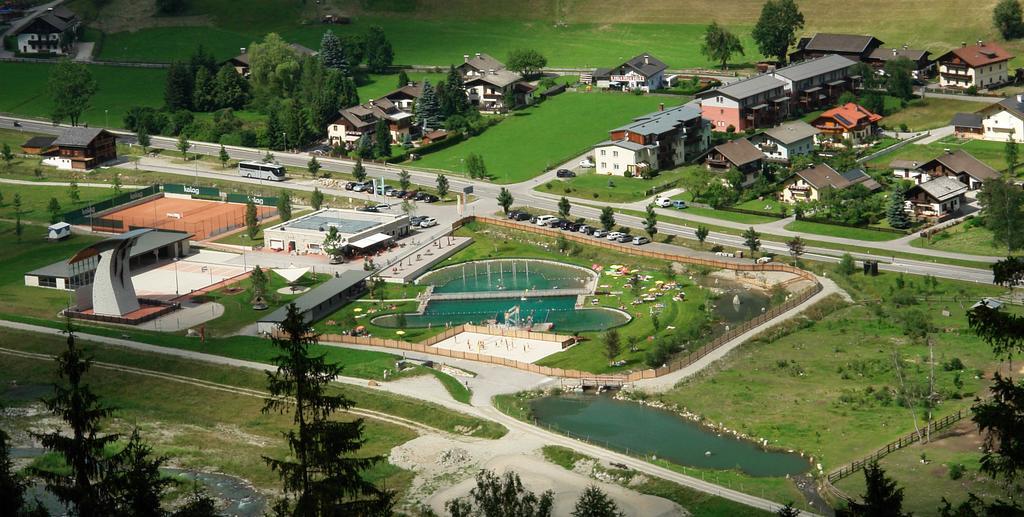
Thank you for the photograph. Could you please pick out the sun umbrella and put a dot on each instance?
(634, 271)
(400, 332)
(358, 309)
(653, 289)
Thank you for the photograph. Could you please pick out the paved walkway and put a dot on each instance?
(935, 135)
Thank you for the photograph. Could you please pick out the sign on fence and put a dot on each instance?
(84, 214)
(256, 200)
(175, 188)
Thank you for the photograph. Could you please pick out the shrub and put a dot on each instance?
(953, 364)
(956, 471)
(846, 265)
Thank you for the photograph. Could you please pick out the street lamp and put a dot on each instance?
(176, 291)
(285, 135)
(196, 162)
(106, 118)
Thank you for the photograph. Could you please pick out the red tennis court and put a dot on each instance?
(202, 218)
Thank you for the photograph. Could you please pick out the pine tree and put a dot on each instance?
(752, 240)
(882, 498)
(275, 130)
(284, 205)
(403, 79)
(223, 156)
(316, 199)
(651, 222)
(230, 89)
(204, 94)
(702, 234)
(136, 482)
(73, 193)
(313, 167)
(252, 224)
(259, 282)
(332, 53)
(54, 209)
(897, 213)
(178, 87)
(12, 486)
(593, 502)
(612, 344)
(564, 207)
(321, 476)
(427, 110)
(85, 485)
(1010, 154)
(379, 53)
(505, 199)
(607, 218)
(348, 96)
(358, 171)
(382, 139)
(6, 155)
(442, 186)
(404, 181)
(455, 100)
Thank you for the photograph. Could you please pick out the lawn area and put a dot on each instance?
(118, 89)
(964, 238)
(543, 136)
(925, 484)
(988, 152)
(764, 205)
(825, 384)
(922, 114)
(726, 215)
(200, 427)
(238, 311)
(35, 200)
(613, 189)
(846, 232)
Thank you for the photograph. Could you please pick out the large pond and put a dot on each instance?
(514, 275)
(632, 427)
(560, 311)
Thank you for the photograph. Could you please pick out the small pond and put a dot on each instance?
(560, 311)
(640, 429)
(515, 275)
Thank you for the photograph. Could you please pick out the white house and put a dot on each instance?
(661, 140)
(985, 65)
(52, 31)
(909, 170)
(643, 72)
(1003, 120)
(783, 142)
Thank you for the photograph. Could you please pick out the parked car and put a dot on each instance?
(641, 240)
(385, 190)
(599, 233)
(662, 201)
(614, 235)
(679, 203)
(382, 206)
(561, 224)
(416, 220)
(361, 187)
(587, 229)
(624, 238)
(572, 227)
(764, 260)
(411, 194)
(519, 215)
(430, 198)
(565, 173)
(428, 222)
(350, 185)
(587, 164)
(545, 220)
(368, 208)
(397, 193)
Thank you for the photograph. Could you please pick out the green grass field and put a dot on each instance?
(118, 89)
(988, 152)
(588, 185)
(543, 136)
(726, 215)
(378, 85)
(973, 240)
(832, 230)
(922, 114)
(35, 201)
(827, 385)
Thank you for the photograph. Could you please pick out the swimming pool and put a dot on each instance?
(516, 275)
(559, 311)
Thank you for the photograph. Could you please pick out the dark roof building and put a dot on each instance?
(641, 72)
(737, 154)
(854, 46)
(478, 64)
(83, 148)
(961, 165)
(52, 31)
(241, 61)
(322, 301)
(38, 145)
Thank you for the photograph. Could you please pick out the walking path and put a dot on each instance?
(481, 408)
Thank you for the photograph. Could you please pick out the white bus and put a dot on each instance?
(265, 171)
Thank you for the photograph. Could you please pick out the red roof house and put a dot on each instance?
(850, 122)
(985, 65)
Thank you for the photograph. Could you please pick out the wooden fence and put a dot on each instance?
(896, 445)
(588, 377)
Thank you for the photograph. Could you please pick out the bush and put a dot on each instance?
(846, 265)
(954, 364)
(956, 471)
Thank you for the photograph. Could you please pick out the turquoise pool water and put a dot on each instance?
(640, 429)
(515, 275)
(558, 310)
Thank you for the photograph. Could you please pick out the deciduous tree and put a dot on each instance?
(564, 207)
(334, 244)
(71, 88)
(1003, 208)
(796, 248)
(54, 209)
(651, 222)
(612, 344)
(505, 199)
(284, 205)
(73, 192)
(358, 171)
(776, 29)
(720, 44)
(442, 186)
(259, 281)
(593, 502)
(527, 62)
(316, 199)
(252, 224)
(379, 53)
(501, 497)
(321, 475)
(607, 218)
(701, 233)
(183, 146)
(404, 181)
(752, 240)
(899, 78)
(6, 155)
(1007, 18)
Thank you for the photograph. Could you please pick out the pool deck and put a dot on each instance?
(506, 347)
(419, 260)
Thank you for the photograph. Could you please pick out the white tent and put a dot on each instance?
(291, 274)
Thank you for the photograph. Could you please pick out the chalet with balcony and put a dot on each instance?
(477, 65)
(809, 184)
(783, 142)
(909, 170)
(983, 66)
(39, 145)
(851, 46)
(737, 154)
(936, 200)
(767, 99)
(50, 32)
(849, 124)
(487, 91)
(643, 72)
(960, 165)
(81, 148)
(969, 125)
(405, 97)
(356, 122)
(664, 139)
(1000, 121)
(924, 65)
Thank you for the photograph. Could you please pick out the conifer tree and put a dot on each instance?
(382, 139)
(251, 222)
(332, 52)
(427, 110)
(896, 213)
